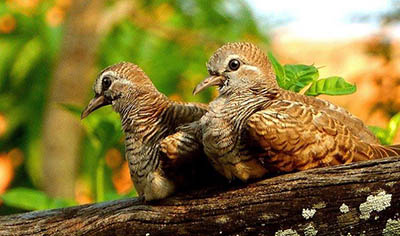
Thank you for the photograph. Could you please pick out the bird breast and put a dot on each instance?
(218, 130)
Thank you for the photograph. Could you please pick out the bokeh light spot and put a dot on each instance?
(55, 16)
(6, 172)
(113, 158)
(122, 180)
(3, 125)
(7, 24)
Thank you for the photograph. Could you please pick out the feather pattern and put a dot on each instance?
(147, 117)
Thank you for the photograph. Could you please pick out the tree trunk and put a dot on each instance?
(356, 199)
(62, 131)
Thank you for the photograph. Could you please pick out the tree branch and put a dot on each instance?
(360, 199)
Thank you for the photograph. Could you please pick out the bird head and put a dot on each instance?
(235, 63)
(115, 83)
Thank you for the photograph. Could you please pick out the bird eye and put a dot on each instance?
(106, 83)
(234, 64)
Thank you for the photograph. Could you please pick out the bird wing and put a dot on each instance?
(181, 113)
(184, 143)
(296, 136)
(356, 126)
(183, 118)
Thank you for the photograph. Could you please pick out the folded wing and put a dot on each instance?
(295, 136)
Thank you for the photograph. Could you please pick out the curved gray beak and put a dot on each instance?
(213, 80)
(94, 104)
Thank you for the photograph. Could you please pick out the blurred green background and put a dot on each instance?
(50, 54)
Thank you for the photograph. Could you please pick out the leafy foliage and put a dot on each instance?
(28, 50)
(386, 135)
(297, 77)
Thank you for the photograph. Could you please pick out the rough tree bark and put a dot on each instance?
(356, 199)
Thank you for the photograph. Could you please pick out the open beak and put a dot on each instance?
(94, 104)
(213, 80)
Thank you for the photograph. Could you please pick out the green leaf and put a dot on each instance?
(26, 59)
(9, 49)
(299, 76)
(331, 86)
(25, 198)
(279, 71)
(393, 127)
(381, 133)
(31, 199)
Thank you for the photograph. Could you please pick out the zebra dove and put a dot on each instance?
(254, 127)
(147, 117)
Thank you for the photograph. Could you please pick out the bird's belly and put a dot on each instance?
(218, 138)
(236, 165)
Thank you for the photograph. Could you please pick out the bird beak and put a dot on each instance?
(213, 80)
(94, 104)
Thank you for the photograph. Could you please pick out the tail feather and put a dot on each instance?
(365, 151)
(395, 146)
(385, 151)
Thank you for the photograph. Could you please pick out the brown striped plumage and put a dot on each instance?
(253, 127)
(147, 117)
